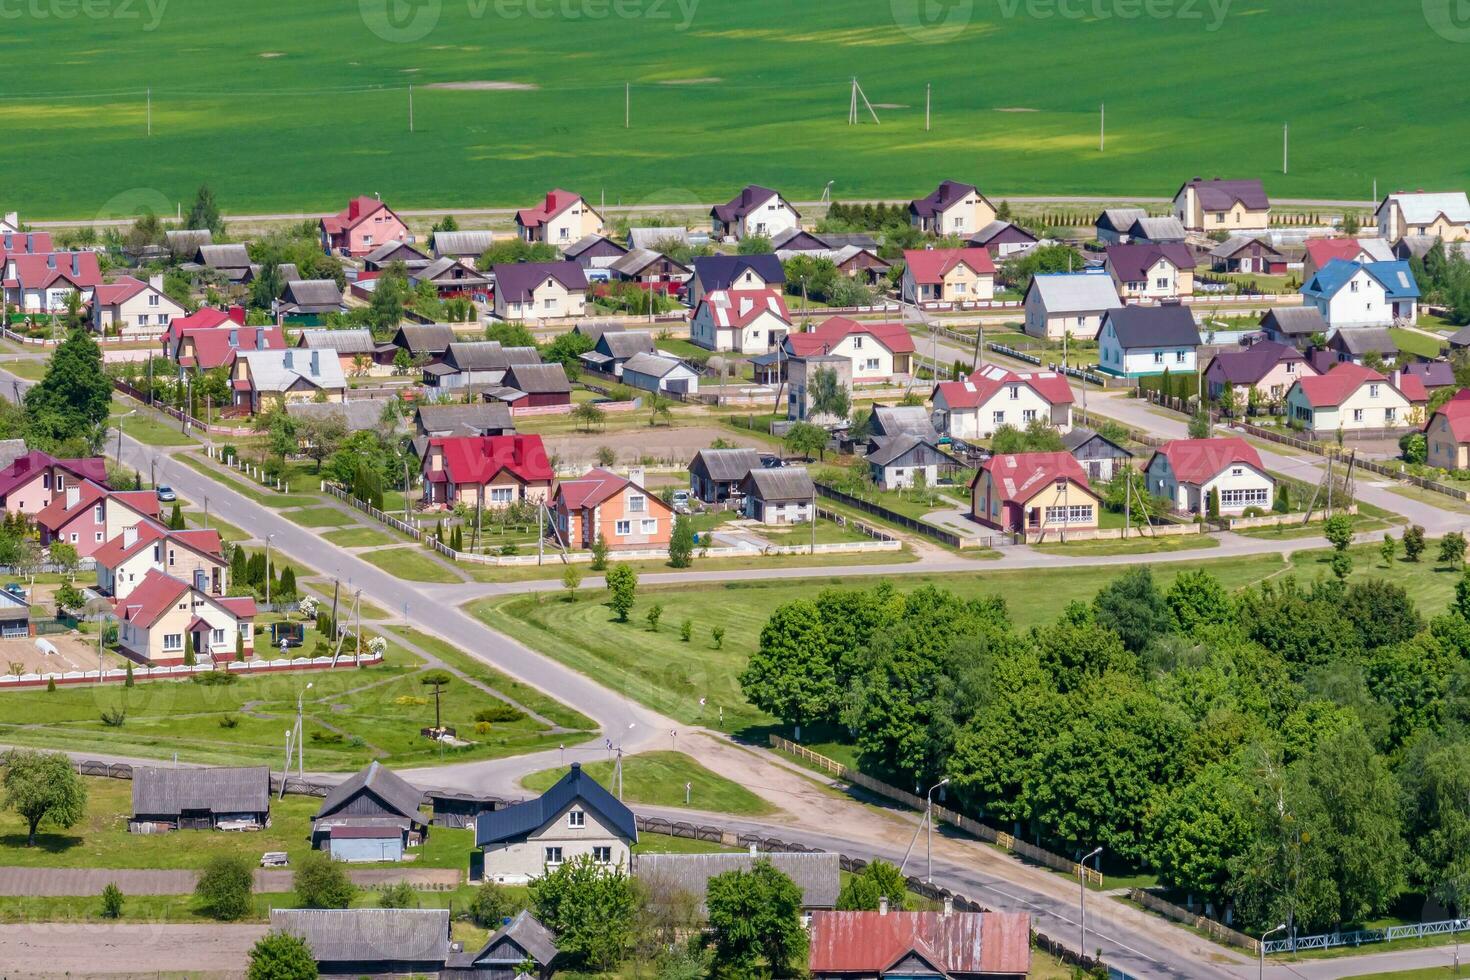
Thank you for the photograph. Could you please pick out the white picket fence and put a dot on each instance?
(184, 670)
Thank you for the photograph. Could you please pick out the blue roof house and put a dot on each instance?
(575, 817)
(1352, 294)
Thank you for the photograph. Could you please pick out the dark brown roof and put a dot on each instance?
(1221, 195)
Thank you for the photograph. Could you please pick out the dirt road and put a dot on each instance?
(45, 950)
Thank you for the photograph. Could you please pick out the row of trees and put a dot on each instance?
(1291, 752)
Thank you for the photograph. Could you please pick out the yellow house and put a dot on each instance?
(1151, 271)
(1445, 216)
(540, 290)
(266, 379)
(167, 621)
(948, 275)
(1204, 206)
(952, 209)
(561, 219)
(1034, 493)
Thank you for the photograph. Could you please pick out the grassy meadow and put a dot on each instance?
(283, 106)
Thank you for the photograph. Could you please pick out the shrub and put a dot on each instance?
(1253, 512)
(112, 901)
(490, 905)
(717, 634)
(114, 717)
(229, 721)
(399, 895)
(215, 678)
(686, 630)
(320, 883)
(224, 887)
(655, 613)
(50, 685)
(499, 712)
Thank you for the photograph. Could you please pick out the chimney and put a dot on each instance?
(550, 201)
(636, 475)
(882, 904)
(237, 315)
(130, 536)
(156, 282)
(754, 850)
(948, 906)
(1393, 377)
(73, 496)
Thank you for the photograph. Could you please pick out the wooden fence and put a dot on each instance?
(918, 527)
(968, 824)
(1208, 926)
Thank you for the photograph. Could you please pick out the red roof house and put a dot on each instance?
(878, 351)
(1352, 397)
(958, 945)
(746, 321)
(365, 224)
(206, 348)
(24, 243)
(992, 396)
(1184, 472)
(1034, 492)
(492, 471)
(948, 275)
(563, 218)
(165, 621)
(28, 484)
(1448, 433)
(615, 508)
(194, 554)
(41, 282)
(86, 516)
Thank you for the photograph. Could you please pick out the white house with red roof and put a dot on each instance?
(974, 407)
(194, 555)
(616, 508)
(1034, 493)
(745, 321)
(1447, 433)
(1183, 473)
(41, 283)
(361, 227)
(134, 309)
(1320, 251)
(755, 211)
(165, 620)
(563, 218)
(207, 348)
(1352, 398)
(880, 352)
(948, 275)
(32, 481)
(87, 515)
(493, 471)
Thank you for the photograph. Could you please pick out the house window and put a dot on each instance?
(553, 855)
(1357, 415)
(216, 638)
(245, 631)
(152, 299)
(871, 364)
(173, 641)
(73, 537)
(1372, 391)
(649, 526)
(857, 343)
(1071, 514)
(1158, 357)
(998, 418)
(550, 303)
(635, 503)
(1291, 367)
(502, 495)
(602, 854)
(97, 513)
(1389, 414)
(1237, 471)
(576, 818)
(1179, 356)
(1162, 282)
(98, 537)
(623, 527)
(1015, 391)
(1243, 497)
(1029, 415)
(959, 287)
(1353, 286)
(142, 319)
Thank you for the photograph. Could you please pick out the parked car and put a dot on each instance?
(680, 501)
(771, 461)
(166, 495)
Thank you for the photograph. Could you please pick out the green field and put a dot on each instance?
(658, 778)
(660, 670)
(281, 105)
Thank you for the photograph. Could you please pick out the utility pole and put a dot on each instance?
(1285, 144)
(627, 104)
(1082, 902)
(927, 87)
(410, 108)
(1102, 126)
(814, 522)
(150, 110)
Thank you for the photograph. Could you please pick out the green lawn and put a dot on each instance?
(359, 537)
(27, 368)
(552, 570)
(658, 779)
(146, 426)
(351, 717)
(801, 534)
(294, 57)
(239, 483)
(324, 516)
(1136, 545)
(410, 563)
(227, 532)
(1413, 342)
(1428, 973)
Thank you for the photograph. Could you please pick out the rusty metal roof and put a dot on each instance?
(997, 943)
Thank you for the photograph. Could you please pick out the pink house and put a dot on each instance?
(87, 516)
(366, 224)
(28, 485)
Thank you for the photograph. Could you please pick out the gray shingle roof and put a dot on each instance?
(1120, 219)
(313, 294)
(367, 935)
(1165, 229)
(279, 370)
(456, 420)
(462, 243)
(425, 338)
(225, 256)
(167, 792)
(350, 341)
(1153, 326)
(818, 875)
(525, 931)
(515, 822)
(1076, 292)
(1362, 340)
(480, 355)
(386, 785)
(648, 237)
(651, 365)
(538, 378)
(887, 450)
(780, 483)
(358, 415)
(626, 344)
(1078, 436)
(914, 420)
(727, 464)
(1295, 321)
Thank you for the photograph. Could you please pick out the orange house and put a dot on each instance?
(618, 509)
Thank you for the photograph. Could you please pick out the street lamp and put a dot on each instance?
(1082, 901)
(300, 736)
(120, 434)
(929, 836)
(1263, 947)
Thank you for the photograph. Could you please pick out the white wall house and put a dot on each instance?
(1362, 294)
(1350, 397)
(1182, 473)
(1137, 341)
(740, 320)
(1069, 302)
(976, 406)
(574, 818)
(755, 211)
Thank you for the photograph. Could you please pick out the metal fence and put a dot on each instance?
(1333, 940)
(968, 824)
(891, 516)
(382, 517)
